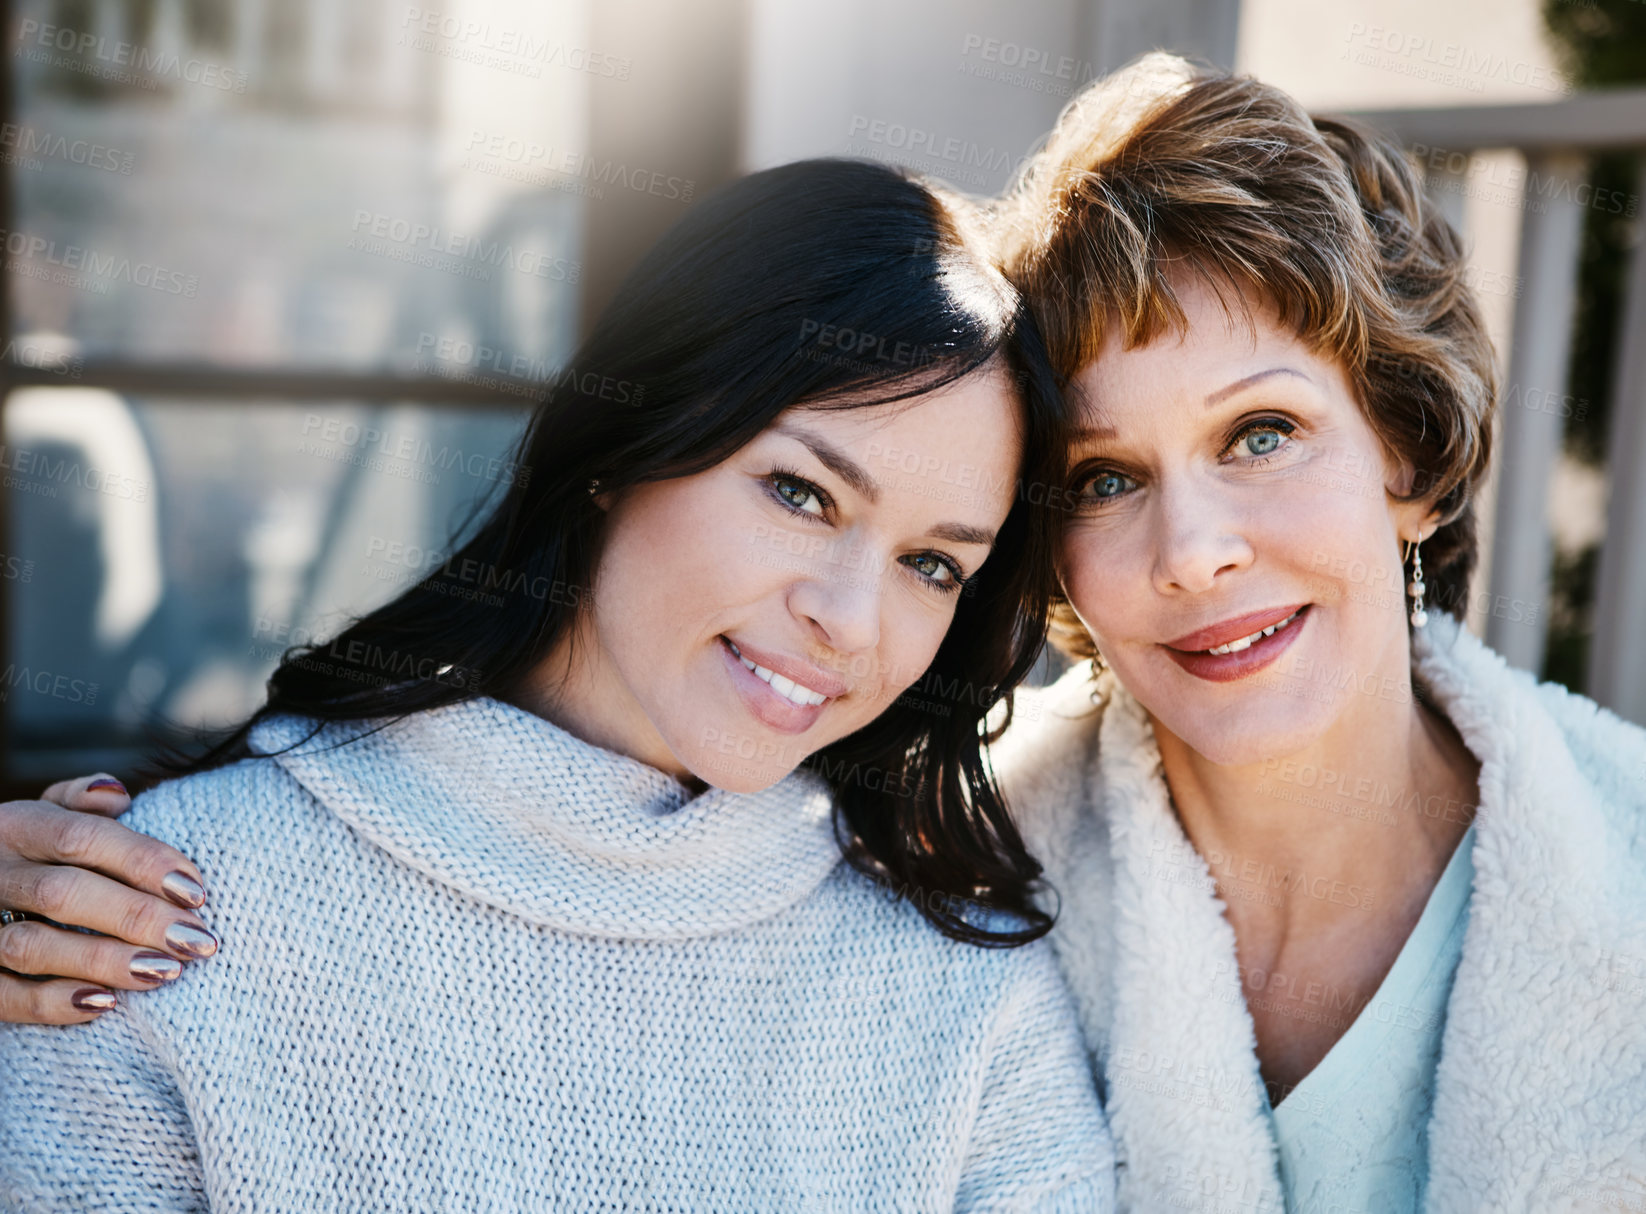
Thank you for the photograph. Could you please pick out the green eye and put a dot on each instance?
(928, 565)
(798, 494)
(939, 573)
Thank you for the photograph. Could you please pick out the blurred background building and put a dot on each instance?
(283, 278)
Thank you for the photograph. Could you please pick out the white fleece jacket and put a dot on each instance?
(1540, 1100)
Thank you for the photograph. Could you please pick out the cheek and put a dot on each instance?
(910, 636)
(670, 561)
(1102, 577)
(1341, 536)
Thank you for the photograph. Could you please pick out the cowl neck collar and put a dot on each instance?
(510, 809)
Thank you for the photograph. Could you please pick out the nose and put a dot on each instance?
(1198, 537)
(839, 599)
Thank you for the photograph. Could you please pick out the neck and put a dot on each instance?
(578, 689)
(1378, 803)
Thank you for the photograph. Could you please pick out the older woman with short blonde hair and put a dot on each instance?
(1346, 900)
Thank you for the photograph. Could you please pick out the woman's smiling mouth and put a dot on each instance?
(1238, 647)
(788, 698)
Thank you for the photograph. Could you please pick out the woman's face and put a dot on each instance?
(751, 614)
(1236, 554)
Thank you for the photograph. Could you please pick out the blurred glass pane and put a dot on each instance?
(162, 554)
(334, 184)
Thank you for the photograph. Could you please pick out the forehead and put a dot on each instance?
(958, 445)
(1222, 341)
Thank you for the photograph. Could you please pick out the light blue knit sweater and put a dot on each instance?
(471, 963)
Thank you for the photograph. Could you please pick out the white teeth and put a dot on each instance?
(1246, 642)
(794, 692)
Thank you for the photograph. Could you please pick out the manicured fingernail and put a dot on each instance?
(93, 1001)
(182, 889)
(155, 967)
(107, 783)
(195, 941)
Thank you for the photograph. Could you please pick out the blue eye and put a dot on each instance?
(1106, 485)
(1262, 442)
(1261, 438)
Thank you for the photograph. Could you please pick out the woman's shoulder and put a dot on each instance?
(253, 799)
(886, 920)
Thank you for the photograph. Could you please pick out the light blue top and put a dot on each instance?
(1353, 1136)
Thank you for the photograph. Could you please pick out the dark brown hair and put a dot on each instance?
(714, 335)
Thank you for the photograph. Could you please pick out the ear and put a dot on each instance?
(1415, 521)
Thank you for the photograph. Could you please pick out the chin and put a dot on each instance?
(740, 761)
(1265, 719)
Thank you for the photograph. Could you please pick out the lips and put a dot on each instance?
(788, 694)
(1246, 643)
(1232, 630)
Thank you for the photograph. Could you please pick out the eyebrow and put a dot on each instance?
(962, 533)
(1240, 385)
(1098, 430)
(855, 475)
(836, 461)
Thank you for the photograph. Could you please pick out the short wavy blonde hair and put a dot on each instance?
(1166, 167)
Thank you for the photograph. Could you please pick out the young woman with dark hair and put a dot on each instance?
(559, 918)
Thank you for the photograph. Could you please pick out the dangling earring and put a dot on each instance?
(593, 487)
(1420, 617)
(1099, 667)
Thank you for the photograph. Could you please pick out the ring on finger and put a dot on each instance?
(8, 917)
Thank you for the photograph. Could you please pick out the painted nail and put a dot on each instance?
(195, 941)
(183, 890)
(107, 783)
(93, 1001)
(155, 967)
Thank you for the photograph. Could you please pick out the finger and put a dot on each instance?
(23, 1001)
(87, 899)
(31, 948)
(100, 793)
(34, 830)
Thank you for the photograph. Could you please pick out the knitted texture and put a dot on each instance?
(472, 963)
